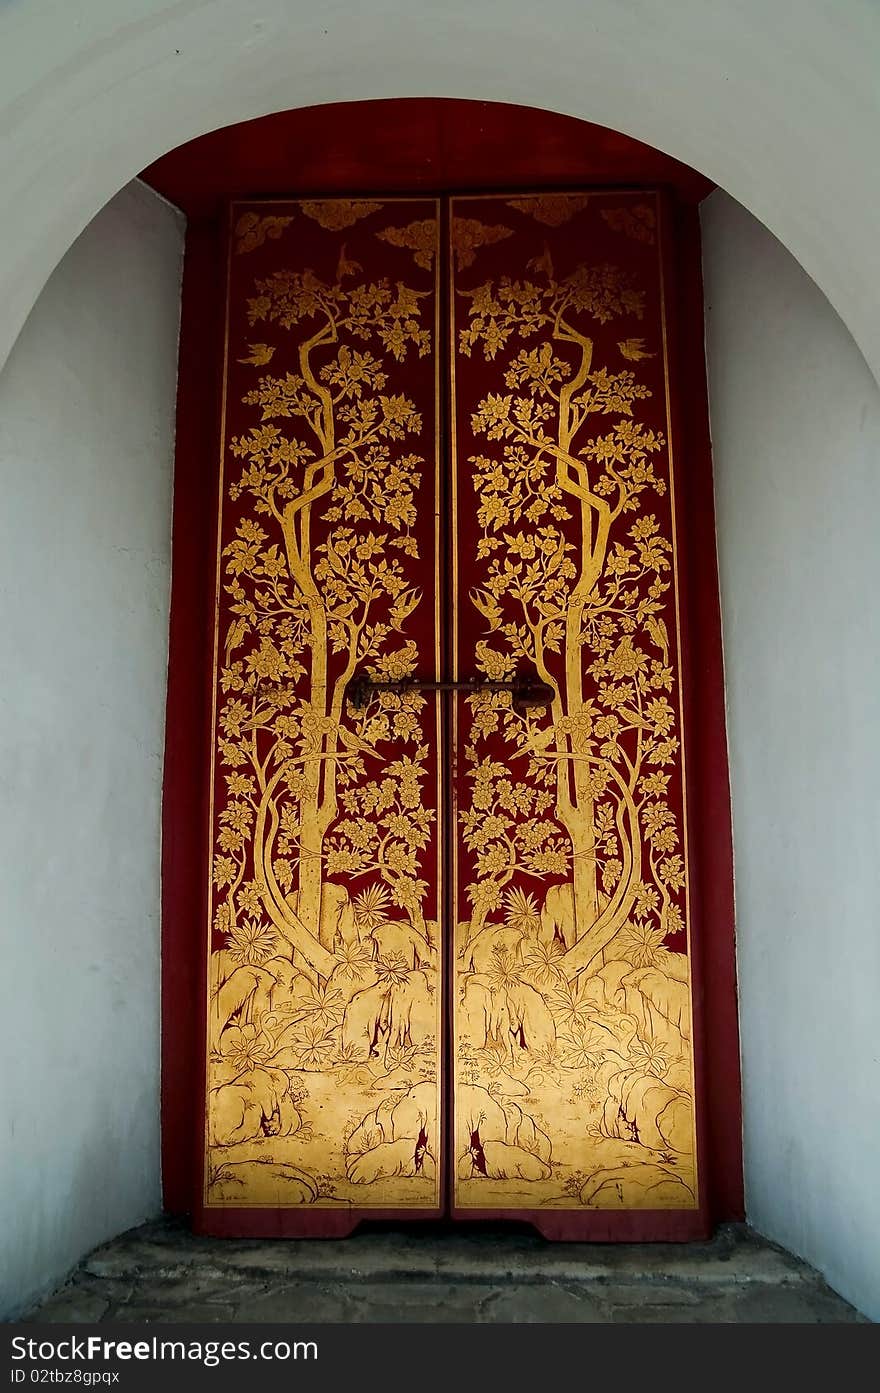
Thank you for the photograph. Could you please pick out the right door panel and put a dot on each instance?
(573, 1054)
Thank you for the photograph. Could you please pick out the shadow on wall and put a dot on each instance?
(796, 438)
(86, 438)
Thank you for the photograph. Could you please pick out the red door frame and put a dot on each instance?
(442, 146)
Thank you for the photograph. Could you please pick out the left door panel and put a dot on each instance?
(324, 992)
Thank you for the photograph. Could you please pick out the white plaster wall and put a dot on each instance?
(796, 436)
(86, 435)
(775, 100)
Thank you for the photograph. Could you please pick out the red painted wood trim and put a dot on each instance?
(556, 1225)
(711, 844)
(601, 1225)
(304, 1221)
(409, 145)
(187, 730)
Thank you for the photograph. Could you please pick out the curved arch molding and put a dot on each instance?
(782, 116)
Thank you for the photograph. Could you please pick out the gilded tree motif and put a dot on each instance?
(545, 595)
(576, 875)
(295, 607)
(322, 863)
(571, 1017)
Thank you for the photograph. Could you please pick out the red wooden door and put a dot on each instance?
(574, 1059)
(449, 966)
(324, 1032)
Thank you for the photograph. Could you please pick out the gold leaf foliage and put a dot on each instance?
(573, 996)
(552, 209)
(336, 213)
(324, 972)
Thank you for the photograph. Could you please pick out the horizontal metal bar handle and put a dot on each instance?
(525, 690)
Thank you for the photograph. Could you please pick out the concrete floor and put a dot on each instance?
(160, 1272)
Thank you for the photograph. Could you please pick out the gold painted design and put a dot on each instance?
(418, 237)
(639, 222)
(324, 1002)
(334, 214)
(552, 209)
(573, 1049)
(258, 355)
(251, 231)
(469, 234)
(634, 350)
(571, 1017)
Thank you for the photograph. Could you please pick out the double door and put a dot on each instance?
(448, 951)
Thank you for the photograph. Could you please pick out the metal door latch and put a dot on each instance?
(526, 690)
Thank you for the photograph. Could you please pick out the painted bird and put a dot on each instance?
(634, 349)
(659, 633)
(543, 263)
(345, 267)
(260, 355)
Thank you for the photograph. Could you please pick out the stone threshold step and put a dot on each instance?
(734, 1257)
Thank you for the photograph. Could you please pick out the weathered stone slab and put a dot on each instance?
(163, 1272)
(72, 1306)
(534, 1305)
(146, 1313)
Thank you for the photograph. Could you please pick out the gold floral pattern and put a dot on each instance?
(571, 1015)
(572, 998)
(324, 968)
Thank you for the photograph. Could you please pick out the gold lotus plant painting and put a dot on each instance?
(449, 953)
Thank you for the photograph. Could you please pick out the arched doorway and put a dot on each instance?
(535, 965)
